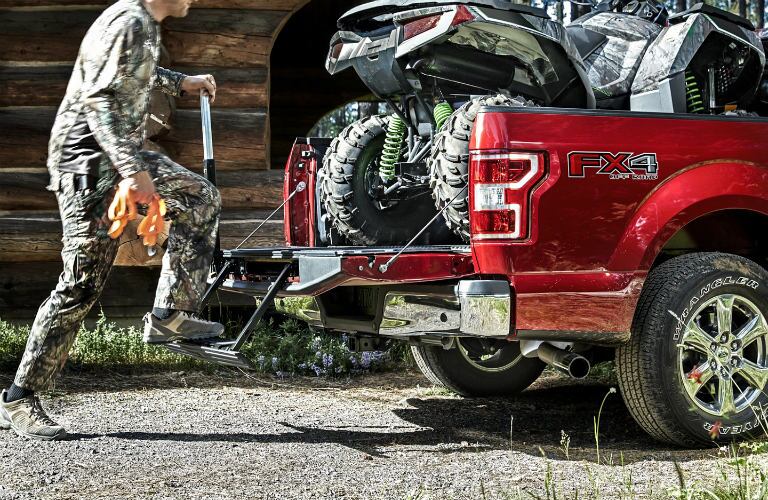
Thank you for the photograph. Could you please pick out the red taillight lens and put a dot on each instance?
(502, 185)
(336, 50)
(462, 16)
(421, 25)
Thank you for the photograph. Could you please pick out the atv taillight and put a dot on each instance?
(419, 26)
(423, 24)
(336, 50)
(502, 185)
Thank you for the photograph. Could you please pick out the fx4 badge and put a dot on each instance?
(639, 167)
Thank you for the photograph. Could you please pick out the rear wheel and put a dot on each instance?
(350, 177)
(696, 367)
(448, 164)
(478, 367)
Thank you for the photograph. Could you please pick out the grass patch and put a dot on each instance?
(282, 347)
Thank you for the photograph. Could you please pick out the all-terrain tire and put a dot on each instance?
(448, 163)
(345, 196)
(651, 367)
(451, 369)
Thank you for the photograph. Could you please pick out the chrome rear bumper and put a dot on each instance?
(480, 308)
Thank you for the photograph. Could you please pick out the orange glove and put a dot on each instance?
(123, 209)
(153, 223)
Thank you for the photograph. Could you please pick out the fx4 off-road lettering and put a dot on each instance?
(642, 167)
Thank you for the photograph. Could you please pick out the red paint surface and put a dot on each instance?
(299, 212)
(409, 267)
(593, 239)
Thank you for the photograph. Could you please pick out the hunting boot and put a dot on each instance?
(28, 419)
(179, 326)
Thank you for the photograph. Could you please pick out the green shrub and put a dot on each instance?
(282, 347)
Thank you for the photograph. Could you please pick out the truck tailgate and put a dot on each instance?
(317, 270)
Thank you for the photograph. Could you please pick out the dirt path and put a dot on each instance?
(382, 436)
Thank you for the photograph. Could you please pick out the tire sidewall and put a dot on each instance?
(682, 305)
(477, 382)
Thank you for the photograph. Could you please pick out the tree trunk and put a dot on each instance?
(681, 5)
(760, 12)
(743, 8)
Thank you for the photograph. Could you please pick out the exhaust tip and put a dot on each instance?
(579, 367)
(572, 364)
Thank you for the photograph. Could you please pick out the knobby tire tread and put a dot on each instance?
(448, 163)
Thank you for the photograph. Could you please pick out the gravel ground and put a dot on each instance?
(381, 436)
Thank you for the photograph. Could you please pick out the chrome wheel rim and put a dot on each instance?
(723, 355)
(491, 362)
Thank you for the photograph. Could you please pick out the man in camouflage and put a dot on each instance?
(95, 144)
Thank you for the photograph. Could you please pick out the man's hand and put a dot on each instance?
(192, 84)
(142, 186)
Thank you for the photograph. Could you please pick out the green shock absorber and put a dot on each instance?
(442, 112)
(693, 93)
(393, 143)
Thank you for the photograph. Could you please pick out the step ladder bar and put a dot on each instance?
(227, 352)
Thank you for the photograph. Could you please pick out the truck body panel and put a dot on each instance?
(616, 188)
(597, 221)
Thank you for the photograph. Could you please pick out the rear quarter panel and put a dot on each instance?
(594, 238)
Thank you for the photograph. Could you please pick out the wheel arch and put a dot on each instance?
(670, 220)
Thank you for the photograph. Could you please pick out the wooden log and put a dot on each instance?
(25, 191)
(231, 127)
(204, 49)
(23, 288)
(239, 137)
(37, 237)
(191, 156)
(24, 136)
(288, 5)
(42, 35)
(237, 87)
(251, 189)
(128, 293)
(213, 37)
(227, 21)
(35, 85)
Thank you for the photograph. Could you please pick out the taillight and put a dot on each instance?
(423, 24)
(503, 182)
(336, 50)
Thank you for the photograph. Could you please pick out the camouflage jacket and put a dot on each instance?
(110, 87)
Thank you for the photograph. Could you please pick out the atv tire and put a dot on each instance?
(464, 372)
(347, 164)
(448, 164)
(689, 318)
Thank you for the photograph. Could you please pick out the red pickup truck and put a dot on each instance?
(642, 233)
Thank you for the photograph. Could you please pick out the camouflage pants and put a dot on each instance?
(193, 205)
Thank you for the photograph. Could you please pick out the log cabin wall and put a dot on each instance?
(232, 39)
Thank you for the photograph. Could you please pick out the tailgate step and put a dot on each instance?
(227, 352)
(217, 352)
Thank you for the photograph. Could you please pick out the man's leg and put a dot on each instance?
(87, 256)
(194, 206)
